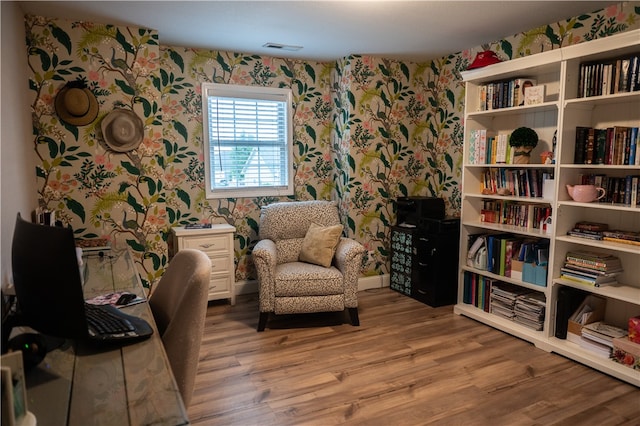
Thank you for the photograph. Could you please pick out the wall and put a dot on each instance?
(366, 131)
(18, 183)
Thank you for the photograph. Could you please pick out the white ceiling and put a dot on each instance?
(327, 30)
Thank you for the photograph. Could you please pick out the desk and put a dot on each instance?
(133, 385)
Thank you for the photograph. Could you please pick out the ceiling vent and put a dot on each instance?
(282, 46)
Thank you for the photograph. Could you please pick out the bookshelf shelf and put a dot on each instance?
(624, 293)
(535, 337)
(593, 101)
(506, 228)
(603, 167)
(556, 121)
(511, 166)
(601, 245)
(599, 206)
(575, 352)
(531, 200)
(505, 279)
(517, 110)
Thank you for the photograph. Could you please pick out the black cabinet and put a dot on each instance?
(424, 261)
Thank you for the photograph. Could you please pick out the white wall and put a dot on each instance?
(17, 157)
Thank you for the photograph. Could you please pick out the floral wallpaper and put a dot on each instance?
(183, 71)
(366, 130)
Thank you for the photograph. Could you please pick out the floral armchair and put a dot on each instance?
(303, 263)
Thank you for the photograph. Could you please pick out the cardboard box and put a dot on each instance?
(534, 274)
(626, 352)
(597, 306)
(634, 329)
(516, 269)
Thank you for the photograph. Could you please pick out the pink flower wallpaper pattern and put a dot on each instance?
(366, 131)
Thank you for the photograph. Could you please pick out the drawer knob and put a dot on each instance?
(206, 245)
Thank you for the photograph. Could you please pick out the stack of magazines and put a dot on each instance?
(597, 337)
(529, 310)
(503, 299)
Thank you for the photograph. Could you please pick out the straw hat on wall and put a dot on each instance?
(76, 105)
(122, 130)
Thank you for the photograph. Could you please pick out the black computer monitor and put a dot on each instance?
(47, 280)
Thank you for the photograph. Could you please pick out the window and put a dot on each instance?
(247, 141)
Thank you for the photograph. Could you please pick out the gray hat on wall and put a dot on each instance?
(76, 105)
(122, 130)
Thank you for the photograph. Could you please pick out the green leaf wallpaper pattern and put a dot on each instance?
(366, 130)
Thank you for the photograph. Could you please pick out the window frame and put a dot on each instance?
(253, 93)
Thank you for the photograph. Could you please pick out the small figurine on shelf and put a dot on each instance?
(546, 157)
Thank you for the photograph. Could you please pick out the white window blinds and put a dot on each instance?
(247, 141)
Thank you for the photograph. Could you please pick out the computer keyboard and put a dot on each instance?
(101, 321)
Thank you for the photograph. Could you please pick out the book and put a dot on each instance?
(582, 134)
(624, 75)
(473, 147)
(590, 146)
(198, 226)
(124, 297)
(519, 87)
(585, 234)
(93, 244)
(633, 147)
(534, 95)
(600, 144)
(594, 260)
(583, 277)
(591, 226)
(602, 332)
(624, 235)
(621, 240)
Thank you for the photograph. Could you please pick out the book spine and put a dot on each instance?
(600, 145)
(624, 75)
(578, 233)
(581, 144)
(621, 240)
(633, 147)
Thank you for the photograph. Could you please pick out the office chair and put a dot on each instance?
(179, 306)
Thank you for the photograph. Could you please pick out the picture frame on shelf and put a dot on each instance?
(534, 95)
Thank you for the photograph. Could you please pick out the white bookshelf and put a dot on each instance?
(560, 113)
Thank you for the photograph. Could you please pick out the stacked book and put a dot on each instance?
(529, 310)
(598, 337)
(503, 299)
(591, 268)
(601, 231)
(588, 230)
(620, 236)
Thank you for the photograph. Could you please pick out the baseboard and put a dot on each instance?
(375, 281)
(364, 283)
(246, 287)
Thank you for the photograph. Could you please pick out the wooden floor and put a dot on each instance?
(407, 364)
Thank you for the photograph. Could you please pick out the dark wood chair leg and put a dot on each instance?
(262, 322)
(353, 313)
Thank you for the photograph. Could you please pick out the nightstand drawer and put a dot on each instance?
(219, 264)
(207, 243)
(217, 243)
(219, 285)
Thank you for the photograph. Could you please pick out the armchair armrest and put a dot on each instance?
(348, 260)
(265, 258)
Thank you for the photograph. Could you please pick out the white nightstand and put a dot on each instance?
(217, 243)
